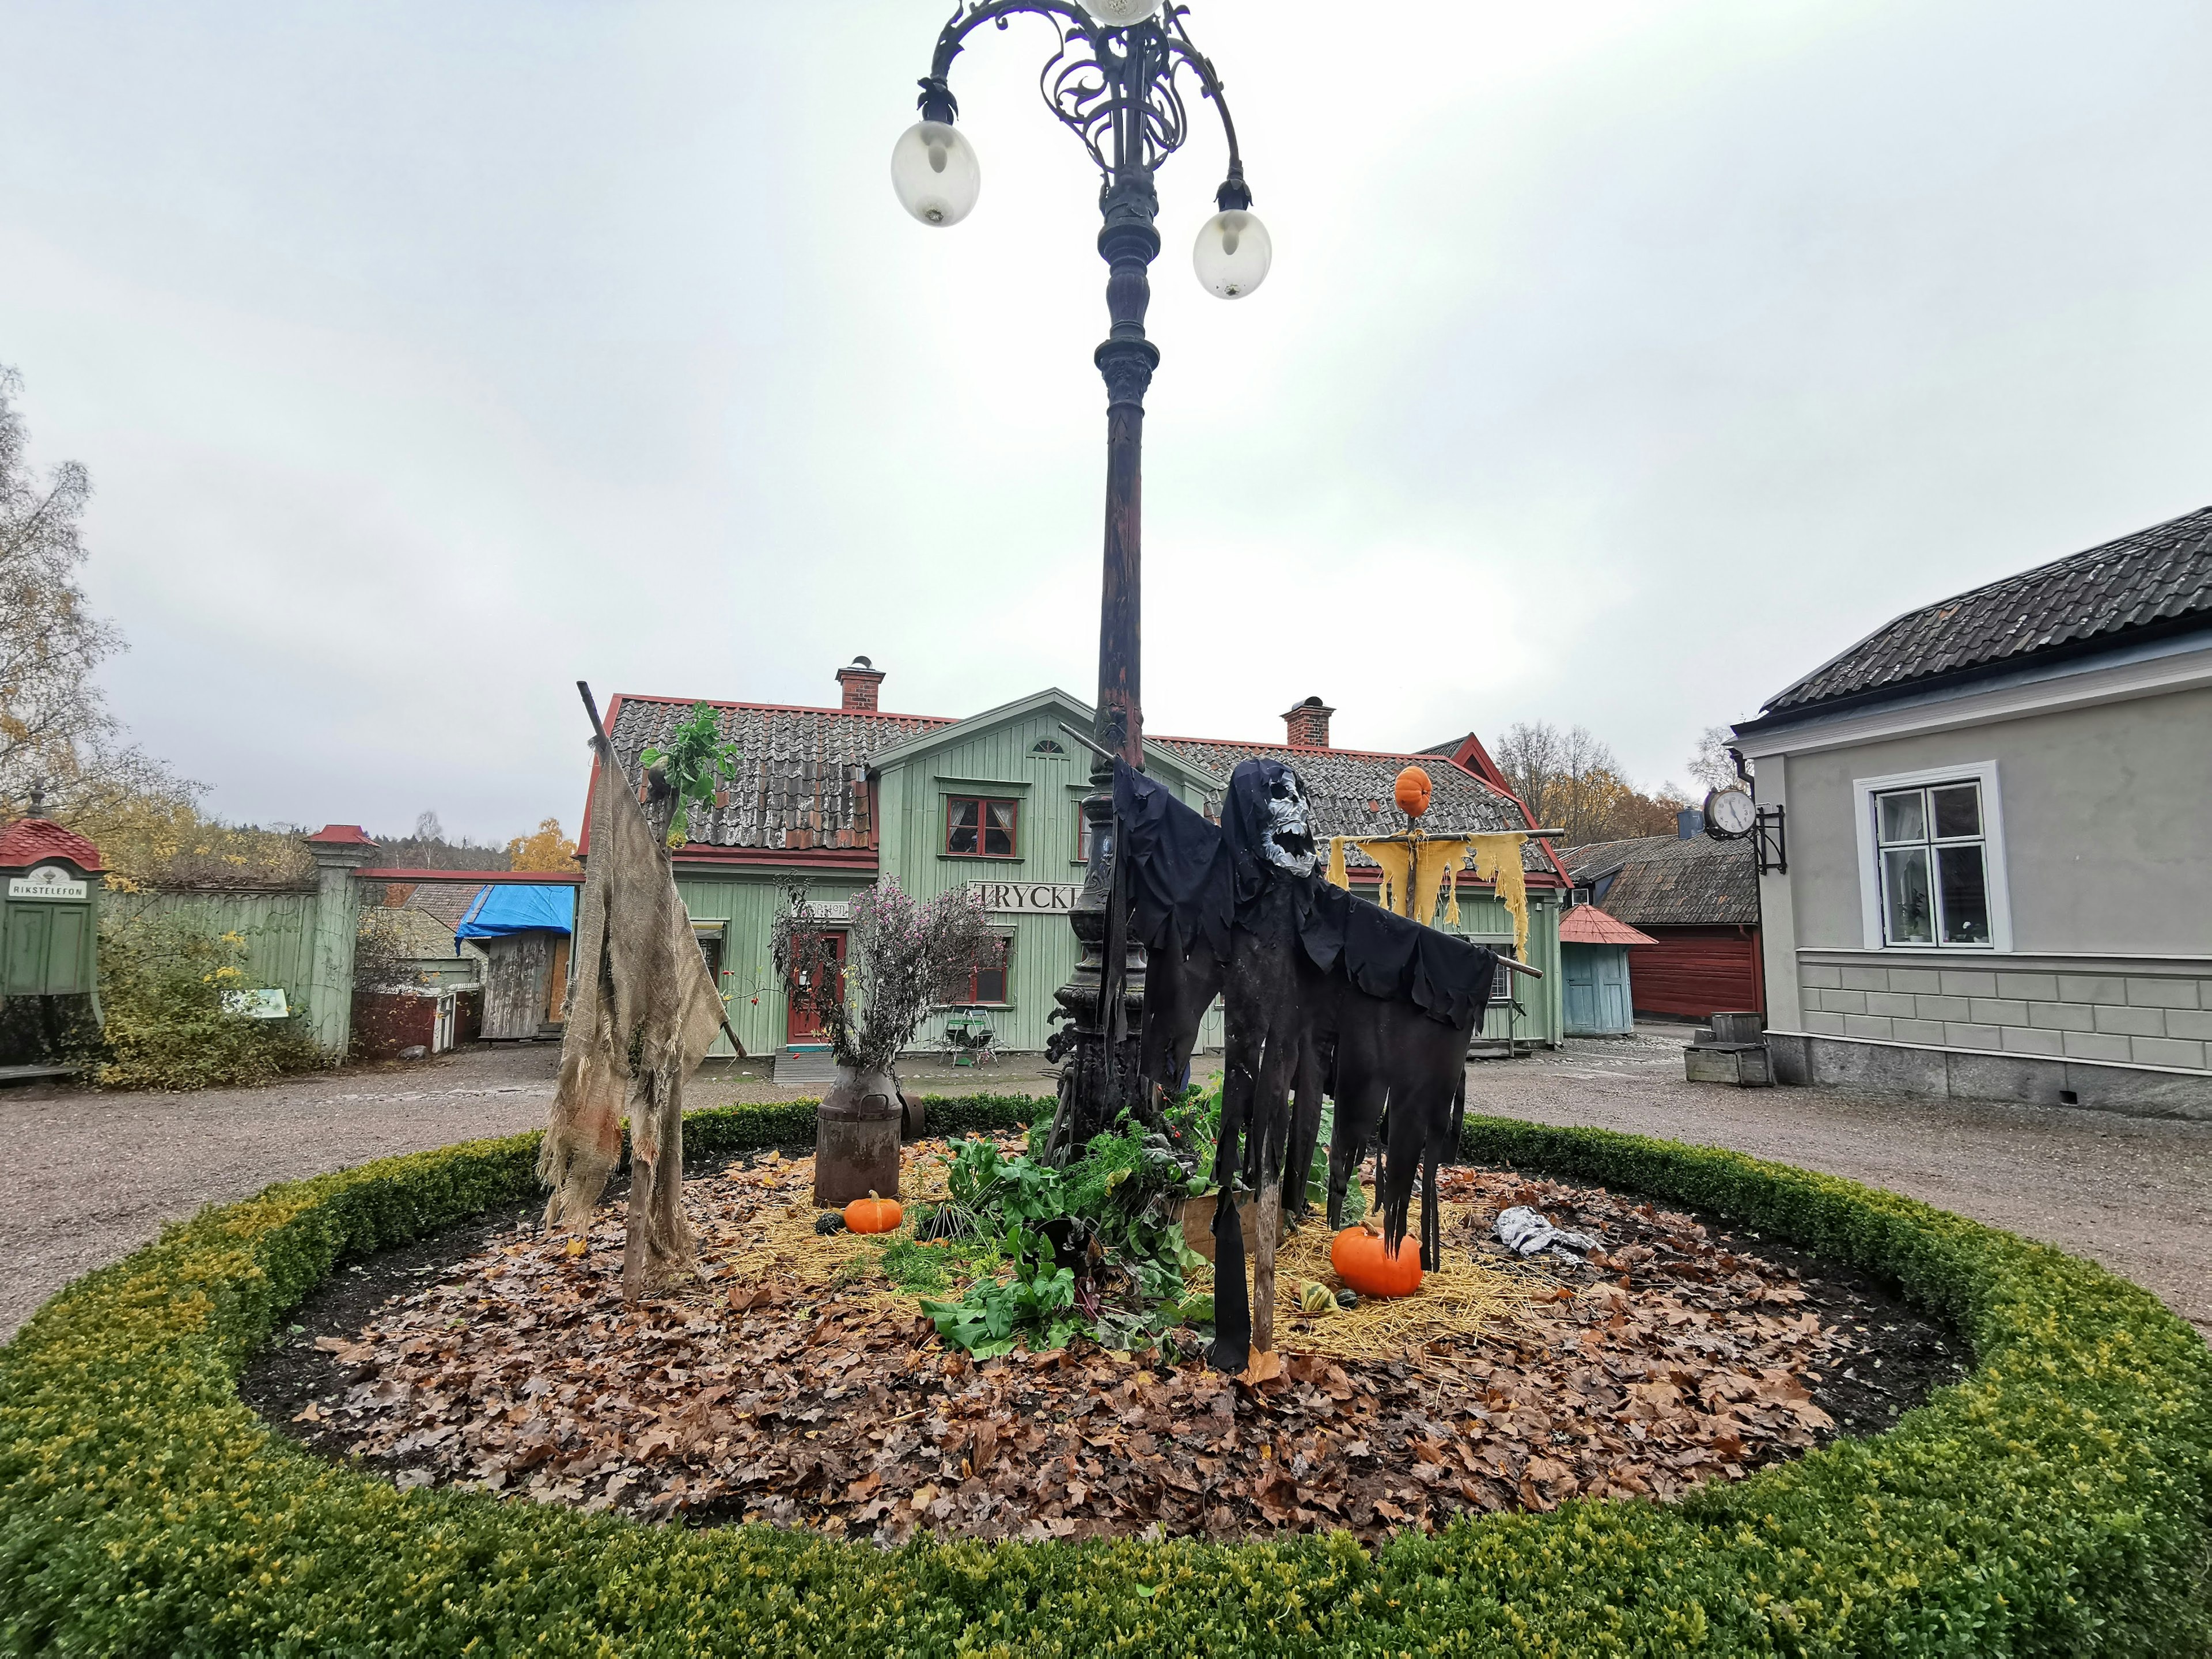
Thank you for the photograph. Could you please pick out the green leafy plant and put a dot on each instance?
(1116, 1210)
(2057, 1501)
(172, 988)
(699, 764)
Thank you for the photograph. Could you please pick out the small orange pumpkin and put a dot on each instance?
(1413, 792)
(1358, 1255)
(873, 1215)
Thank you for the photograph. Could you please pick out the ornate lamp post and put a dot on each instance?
(1115, 81)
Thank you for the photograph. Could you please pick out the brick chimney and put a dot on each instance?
(1308, 724)
(859, 682)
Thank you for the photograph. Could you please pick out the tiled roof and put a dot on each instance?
(413, 931)
(1349, 791)
(805, 769)
(2156, 579)
(444, 902)
(1587, 925)
(32, 841)
(1666, 882)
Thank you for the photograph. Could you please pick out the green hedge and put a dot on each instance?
(2056, 1502)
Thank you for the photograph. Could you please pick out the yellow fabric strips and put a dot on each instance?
(1497, 861)
(1416, 870)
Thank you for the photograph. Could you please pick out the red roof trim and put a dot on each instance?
(339, 835)
(828, 858)
(510, 877)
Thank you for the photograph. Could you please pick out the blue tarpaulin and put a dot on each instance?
(503, 908)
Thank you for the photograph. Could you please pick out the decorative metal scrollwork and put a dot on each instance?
(1117, 89)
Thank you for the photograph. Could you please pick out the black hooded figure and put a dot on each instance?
(1321, 990)
(1268, 994)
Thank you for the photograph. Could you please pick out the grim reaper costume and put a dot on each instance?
(642, 1013)
(1322, 991)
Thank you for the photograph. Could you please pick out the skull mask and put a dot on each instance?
(1289, 841)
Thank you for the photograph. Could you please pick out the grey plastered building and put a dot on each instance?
(1996, 812)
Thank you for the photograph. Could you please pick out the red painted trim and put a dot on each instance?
(480, 878)
(339, 835)
(823, 858)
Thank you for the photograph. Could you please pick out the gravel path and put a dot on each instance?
(113, 1168)
(2134, 1193)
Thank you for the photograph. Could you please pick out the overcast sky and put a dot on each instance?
(1619, 363)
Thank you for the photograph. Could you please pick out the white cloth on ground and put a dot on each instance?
(1525, 1232)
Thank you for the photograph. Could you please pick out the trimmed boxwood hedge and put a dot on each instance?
(2055, 1502)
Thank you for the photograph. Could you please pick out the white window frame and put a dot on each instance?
(1863, 790)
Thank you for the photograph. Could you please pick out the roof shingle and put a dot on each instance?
(1667, 882)
(1349, 791)
(805, 769)
(2159, 578)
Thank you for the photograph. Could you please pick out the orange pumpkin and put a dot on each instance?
(873, 1215)
(1358, 1255)
(1413, 792)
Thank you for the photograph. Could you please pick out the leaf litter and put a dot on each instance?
(795, 1384)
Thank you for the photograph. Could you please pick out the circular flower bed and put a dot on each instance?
(2058, 1500)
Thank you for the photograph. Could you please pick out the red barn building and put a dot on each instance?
(1697, 899)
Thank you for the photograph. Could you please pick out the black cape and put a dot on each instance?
(1188, 879)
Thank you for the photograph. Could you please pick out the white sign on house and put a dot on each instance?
(48, 881)
(1024, 898)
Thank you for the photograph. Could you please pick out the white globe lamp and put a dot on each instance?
(934, 171)
(1119, 14)
(1233, 253)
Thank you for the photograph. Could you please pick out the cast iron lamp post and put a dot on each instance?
(1114, 82)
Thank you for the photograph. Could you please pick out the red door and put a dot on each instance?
(802, 1021)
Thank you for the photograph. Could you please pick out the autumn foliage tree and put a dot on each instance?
(546, 849)
(1574, 781)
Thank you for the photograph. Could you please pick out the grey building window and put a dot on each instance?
(1932, 845)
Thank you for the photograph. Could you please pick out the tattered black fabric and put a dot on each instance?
(1176, 864)
(1389, 956)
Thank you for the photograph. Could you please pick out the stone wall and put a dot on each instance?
(2159, 1018)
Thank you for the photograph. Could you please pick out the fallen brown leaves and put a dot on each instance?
(829, 1406)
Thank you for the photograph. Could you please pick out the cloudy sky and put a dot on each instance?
(1618, 363)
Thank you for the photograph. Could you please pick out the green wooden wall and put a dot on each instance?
(279, 930)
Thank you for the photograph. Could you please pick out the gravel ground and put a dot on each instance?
(2134, 1193)
(116, 1167)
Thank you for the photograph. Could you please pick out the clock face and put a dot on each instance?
(1730, 813)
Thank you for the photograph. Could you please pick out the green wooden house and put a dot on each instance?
(838, 796)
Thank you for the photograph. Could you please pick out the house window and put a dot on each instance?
(977, 828)
(1934, 867)
(987, 981)
(1931, 861)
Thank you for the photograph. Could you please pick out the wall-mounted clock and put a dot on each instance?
(1729, 814)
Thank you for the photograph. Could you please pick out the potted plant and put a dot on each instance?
(900, 954)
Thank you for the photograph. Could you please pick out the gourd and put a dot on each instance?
(1313, 1297)
(1358, 1255)
(873, 1215)
(1413, 792)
